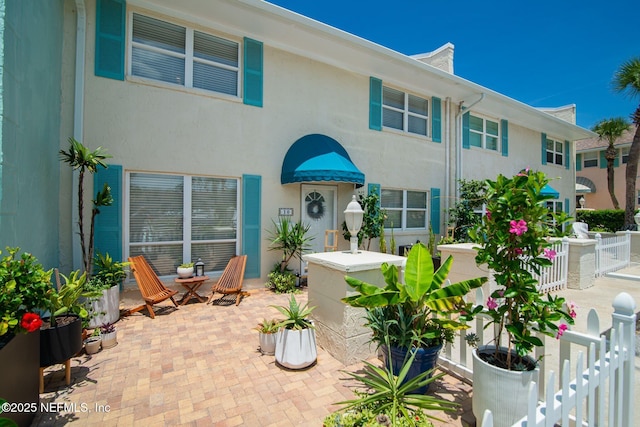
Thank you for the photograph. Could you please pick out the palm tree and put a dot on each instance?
(611, 129)
(627, 80)
(81, 158)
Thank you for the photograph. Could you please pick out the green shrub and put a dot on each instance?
(610, 220)
(282, 282)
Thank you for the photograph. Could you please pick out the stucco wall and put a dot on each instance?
(601, 198)
(31, 64)
(153, 127)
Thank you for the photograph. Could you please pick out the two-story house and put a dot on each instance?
(221, 115)
(591, 172)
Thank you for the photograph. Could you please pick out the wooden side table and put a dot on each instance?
(191, 284)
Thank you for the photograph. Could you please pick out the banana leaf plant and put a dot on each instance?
(424, 310)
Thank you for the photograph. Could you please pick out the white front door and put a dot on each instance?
(319, 212)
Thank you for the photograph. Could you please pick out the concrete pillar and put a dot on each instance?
(340, 328)
(635, 245)
(582, 263)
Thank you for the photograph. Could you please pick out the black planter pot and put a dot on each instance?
(60, 343)
(19, 376)
(425, 360)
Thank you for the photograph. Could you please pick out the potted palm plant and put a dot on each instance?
(296, 338)
(422, 313)
(267, 330)
(514, 238)
(292, 239)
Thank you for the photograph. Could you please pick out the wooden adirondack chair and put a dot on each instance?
(231, 280)
(152, 289)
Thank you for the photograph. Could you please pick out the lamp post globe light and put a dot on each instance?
(353, 218)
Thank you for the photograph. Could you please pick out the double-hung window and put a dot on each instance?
(590, 159)
(405, 112)
(173, 219)
(405, 209)
(483, 133)
(183, 56)
(555, 152)
(624, 153)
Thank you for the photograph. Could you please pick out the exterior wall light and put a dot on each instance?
(353, 218)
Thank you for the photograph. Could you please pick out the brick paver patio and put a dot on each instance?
(199, 365)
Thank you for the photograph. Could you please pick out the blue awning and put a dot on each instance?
(316, 157)
(547, 190)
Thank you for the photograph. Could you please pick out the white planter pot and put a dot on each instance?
(185, 273)
(505, 393)
(267, 343)
(106, 309)
(92, 345)
(296, 349)
(109, 340)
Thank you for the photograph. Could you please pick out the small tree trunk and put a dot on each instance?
(81, 217)
(611, 154)
(631, 175)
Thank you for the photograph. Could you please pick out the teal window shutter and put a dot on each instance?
(465, 131)
(374, 189)
(504, 124)
(435, 210)
(110, 38)
(566, 206)
(375, 103)
(603, 159)
(543, 144)
(578, 162)
(108, 225)
(252, 78)
(616, 161)
(251, 223)
(567, 154)
(436, 119)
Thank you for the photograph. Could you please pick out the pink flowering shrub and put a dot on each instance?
(514, 238)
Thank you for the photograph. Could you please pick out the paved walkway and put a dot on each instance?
(199, 365)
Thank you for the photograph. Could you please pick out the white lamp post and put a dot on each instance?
(353, 218)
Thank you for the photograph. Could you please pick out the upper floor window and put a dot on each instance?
(405, 112)
(183, 56)
(405, 209)
(483, 133)
(555, 152)
(590, 159)
(624, 153)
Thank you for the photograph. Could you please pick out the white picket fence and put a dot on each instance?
(612, 253)
(554, 278)
(600, 394)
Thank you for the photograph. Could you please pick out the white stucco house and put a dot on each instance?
(221, 115)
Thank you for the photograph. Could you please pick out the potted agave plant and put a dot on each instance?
(24, 292)
(420, 314)
(267, 330)
(514, 239)
(296, 336)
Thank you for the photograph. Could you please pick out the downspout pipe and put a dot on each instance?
(447, 158)
(78, 119)
(462, 109)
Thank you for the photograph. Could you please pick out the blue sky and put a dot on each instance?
(543, 53)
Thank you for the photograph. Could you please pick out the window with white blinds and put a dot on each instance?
(405, 112)
(180, 55)
(176, 219)
(405, 209)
